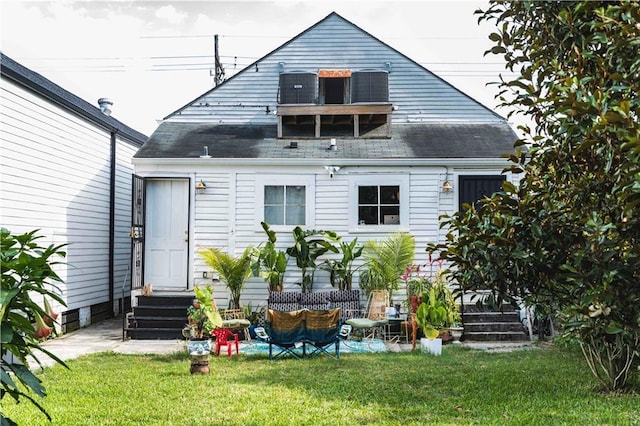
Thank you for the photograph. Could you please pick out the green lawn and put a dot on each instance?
(528, 387)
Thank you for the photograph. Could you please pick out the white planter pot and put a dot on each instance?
(431, 346)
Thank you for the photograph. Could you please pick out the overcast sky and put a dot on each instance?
(152, 57)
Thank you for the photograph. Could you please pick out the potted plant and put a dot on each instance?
(436, 314)
(385, 262)
(268, 262)
(202, 319)
(234, 271)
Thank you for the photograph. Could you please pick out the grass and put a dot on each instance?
(463, 386)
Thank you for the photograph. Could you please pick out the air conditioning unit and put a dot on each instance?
(298, 88)
(369, 86)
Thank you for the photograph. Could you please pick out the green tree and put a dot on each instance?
(27, 272)
(568, 236)
(234, 271)
(386, 261)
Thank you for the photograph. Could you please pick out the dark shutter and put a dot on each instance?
(298, 88)
(369, 86)
(473, 188)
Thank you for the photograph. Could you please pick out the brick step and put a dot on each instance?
(502, 336)
(493, 327)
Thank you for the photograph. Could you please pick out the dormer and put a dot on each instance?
(334, 102)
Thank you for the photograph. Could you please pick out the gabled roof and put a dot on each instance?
(408, 141)
(303, 44)
(51, 91)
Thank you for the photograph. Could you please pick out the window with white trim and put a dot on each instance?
(284, 204)
(379, 202)
(284, 201)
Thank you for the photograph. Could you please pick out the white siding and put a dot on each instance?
(54, 172)
(215, 224)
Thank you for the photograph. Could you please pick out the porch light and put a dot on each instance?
(201, 187)
(446, 186)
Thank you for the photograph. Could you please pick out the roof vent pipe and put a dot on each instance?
(105, 105)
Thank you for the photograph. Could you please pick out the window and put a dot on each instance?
(379, 202)
(379, 205)
(284, 204)
(284, 201)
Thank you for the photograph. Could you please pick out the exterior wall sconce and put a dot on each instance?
(446, 186)
(332, 170)
(201, 187)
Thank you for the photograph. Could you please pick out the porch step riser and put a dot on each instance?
(495, 337)
(154, 334)
(493, 327)
(165, 300)
(490, 317)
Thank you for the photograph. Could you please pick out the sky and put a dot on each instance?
(153, 57)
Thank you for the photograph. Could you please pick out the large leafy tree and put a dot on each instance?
(567, 238)
(28, 273)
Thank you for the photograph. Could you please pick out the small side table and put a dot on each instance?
(410, 328)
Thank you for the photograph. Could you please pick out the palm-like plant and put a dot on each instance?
(386, 261)
(234, 271)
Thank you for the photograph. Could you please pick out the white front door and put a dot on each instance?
(167, 234)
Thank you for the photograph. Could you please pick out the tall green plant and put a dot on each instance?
(386, 261)
(269, 262)
(27, 272)
(308, 246)
(234, 271)
(341, 270)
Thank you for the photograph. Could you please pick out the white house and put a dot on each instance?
(65, 169)
(333, 130)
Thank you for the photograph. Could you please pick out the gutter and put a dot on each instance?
(404, 162)
(112, 220)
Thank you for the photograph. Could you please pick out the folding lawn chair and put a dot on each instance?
(323, 331)
(285, 331)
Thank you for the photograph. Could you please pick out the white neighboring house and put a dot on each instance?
(333, 130)
(65, 169)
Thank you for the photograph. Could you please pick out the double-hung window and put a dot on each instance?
(284, 202)
(379, 202)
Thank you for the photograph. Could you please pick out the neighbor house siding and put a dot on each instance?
(55, 177)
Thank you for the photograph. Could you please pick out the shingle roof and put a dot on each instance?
(425, 140)
(45, 87)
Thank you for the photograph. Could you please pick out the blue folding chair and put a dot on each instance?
(285, 332)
